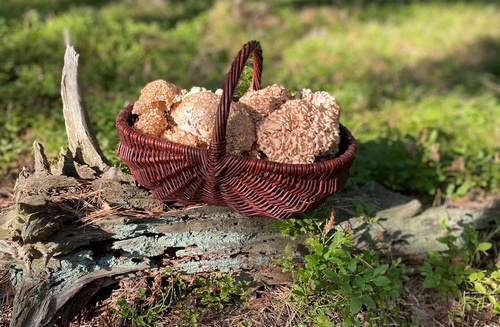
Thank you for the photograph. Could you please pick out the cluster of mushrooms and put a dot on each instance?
(269, 124)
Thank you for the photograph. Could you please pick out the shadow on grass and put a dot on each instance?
(14, 9)
(398, 165)
(467, 67)
(165, 13)
(473, 69)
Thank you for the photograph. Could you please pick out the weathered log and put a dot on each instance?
(52, 242)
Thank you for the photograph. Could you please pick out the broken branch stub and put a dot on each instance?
(82, 141)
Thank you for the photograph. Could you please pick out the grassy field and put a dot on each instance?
(418, 82)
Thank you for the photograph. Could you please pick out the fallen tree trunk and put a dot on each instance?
(74, 229)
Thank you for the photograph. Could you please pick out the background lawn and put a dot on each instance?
(419, 86)
(419, 83)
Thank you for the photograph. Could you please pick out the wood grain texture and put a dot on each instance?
(81, 138)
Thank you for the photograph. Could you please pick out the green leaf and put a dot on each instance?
(359, 209)
(369, 302)
(347, 322)
(463, 189)
(479, 288)
(496, 310)
(492, 299)
(299, 288)
(356, 304)
(382, 281)
(311, 260)
(430, 282)
(485, 246)
(319, 248)
(332, 275)
(476, 276)
(337, 239)
(352, 265)
(449, 283)
(324, 321)
(298, 293)
(380, 270)
(359, 282)
(346, 288)
(450, 189)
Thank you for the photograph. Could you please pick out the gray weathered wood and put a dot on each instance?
(52, 247)
(82, 142)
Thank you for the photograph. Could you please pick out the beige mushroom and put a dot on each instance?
(300, 131)
(177, 135)
(196, 115)
(240, 131)
(265, 101)
(153, 105)
(330, 106)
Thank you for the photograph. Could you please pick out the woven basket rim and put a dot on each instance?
(123, 125)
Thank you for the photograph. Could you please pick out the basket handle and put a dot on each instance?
(218, 143)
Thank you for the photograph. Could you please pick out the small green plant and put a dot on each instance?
(172, 295)
(152, 302)
(454, 271)
(486, 291)
(334, 279)
(364, 209)
(215, 291)
(141, 312)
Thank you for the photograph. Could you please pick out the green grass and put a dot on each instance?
(419, 84)
(400, 71)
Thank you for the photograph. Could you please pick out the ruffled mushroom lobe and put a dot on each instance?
(302, 129)
(153, 105)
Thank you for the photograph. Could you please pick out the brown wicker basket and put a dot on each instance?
(252, 187)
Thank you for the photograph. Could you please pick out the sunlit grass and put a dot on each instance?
(395, 69)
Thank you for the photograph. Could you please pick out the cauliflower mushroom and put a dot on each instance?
(196, 115)
(177, 135)
(329, 104)
(240, 131)
(265, 101)
(155, 101)
(300, 131)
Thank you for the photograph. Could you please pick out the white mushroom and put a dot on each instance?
(265, 101)
(290, 129)
(196, 115)
(155, 101)
(300, 131)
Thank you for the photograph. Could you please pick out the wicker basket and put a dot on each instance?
(252, 187)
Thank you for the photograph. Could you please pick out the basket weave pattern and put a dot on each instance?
(252, 187)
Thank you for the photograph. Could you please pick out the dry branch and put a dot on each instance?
(82, 141)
